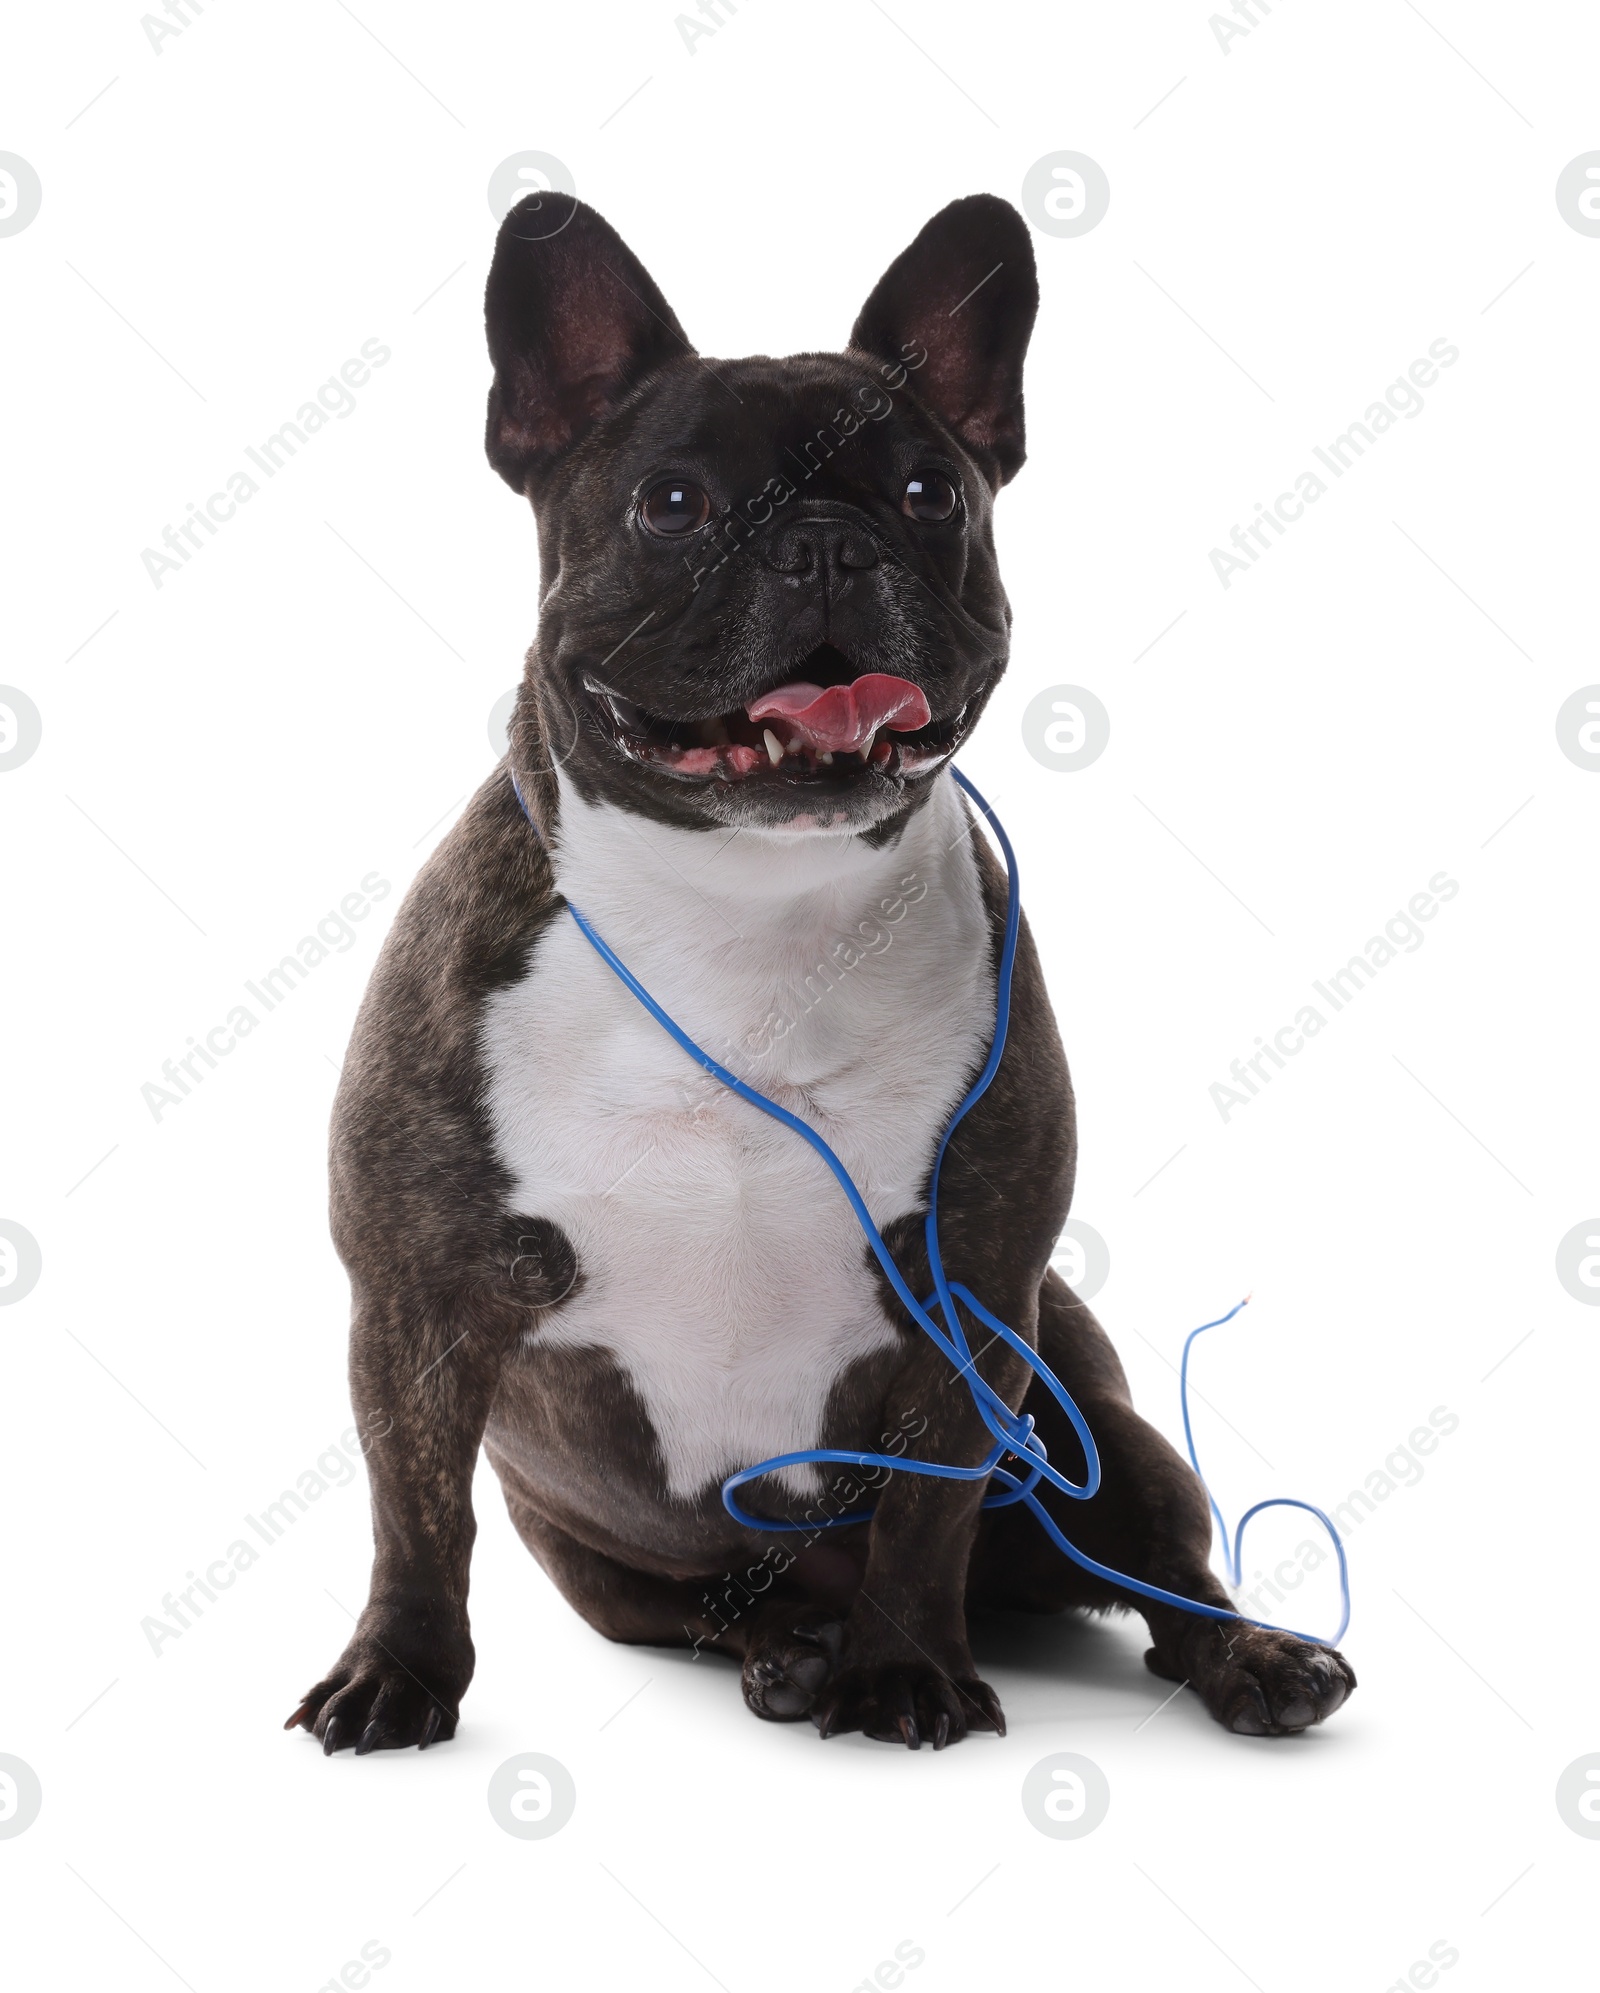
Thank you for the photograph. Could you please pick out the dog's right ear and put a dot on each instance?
(574, 321)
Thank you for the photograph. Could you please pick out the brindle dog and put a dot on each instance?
(769, 614)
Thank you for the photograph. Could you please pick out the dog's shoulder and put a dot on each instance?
(408, 1142)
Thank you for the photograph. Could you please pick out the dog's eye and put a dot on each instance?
(673, 507)
(929, 497)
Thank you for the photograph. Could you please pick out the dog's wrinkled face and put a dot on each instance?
(770, 597)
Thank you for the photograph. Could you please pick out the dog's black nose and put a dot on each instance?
(810, 549)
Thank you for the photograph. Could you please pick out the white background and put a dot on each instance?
(224, 759)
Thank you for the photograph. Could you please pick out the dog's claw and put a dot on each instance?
(374, 1701)
(828, 1634)
(903, 1703)
(987, 1704)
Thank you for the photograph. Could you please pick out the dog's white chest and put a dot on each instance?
(720, 1262)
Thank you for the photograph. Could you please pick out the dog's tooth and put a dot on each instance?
(794, 745)
(826, 758)
(774, 751)
(865, 749)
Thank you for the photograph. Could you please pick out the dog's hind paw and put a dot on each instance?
(1257, 1682)
(791, 1658)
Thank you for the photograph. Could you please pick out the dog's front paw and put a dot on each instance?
(1256, 1682)
(388, 1691)
(901, 1703)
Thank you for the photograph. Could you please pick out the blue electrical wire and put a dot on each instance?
(1013, 1432)
(1232, 1547)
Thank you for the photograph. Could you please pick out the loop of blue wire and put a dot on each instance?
(1013, 1432)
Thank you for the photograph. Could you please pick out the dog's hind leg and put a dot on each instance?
(1151, 1520)
(785, 1631)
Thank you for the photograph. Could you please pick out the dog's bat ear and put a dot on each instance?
(574, 321)
(964, 294)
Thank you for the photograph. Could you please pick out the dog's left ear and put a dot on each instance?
(965, 293)
(574, 321)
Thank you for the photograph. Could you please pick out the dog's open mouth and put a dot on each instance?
(800, 731)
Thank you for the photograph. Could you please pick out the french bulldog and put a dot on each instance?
(769, 615)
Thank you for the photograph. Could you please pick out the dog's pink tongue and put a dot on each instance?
(844, 717)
